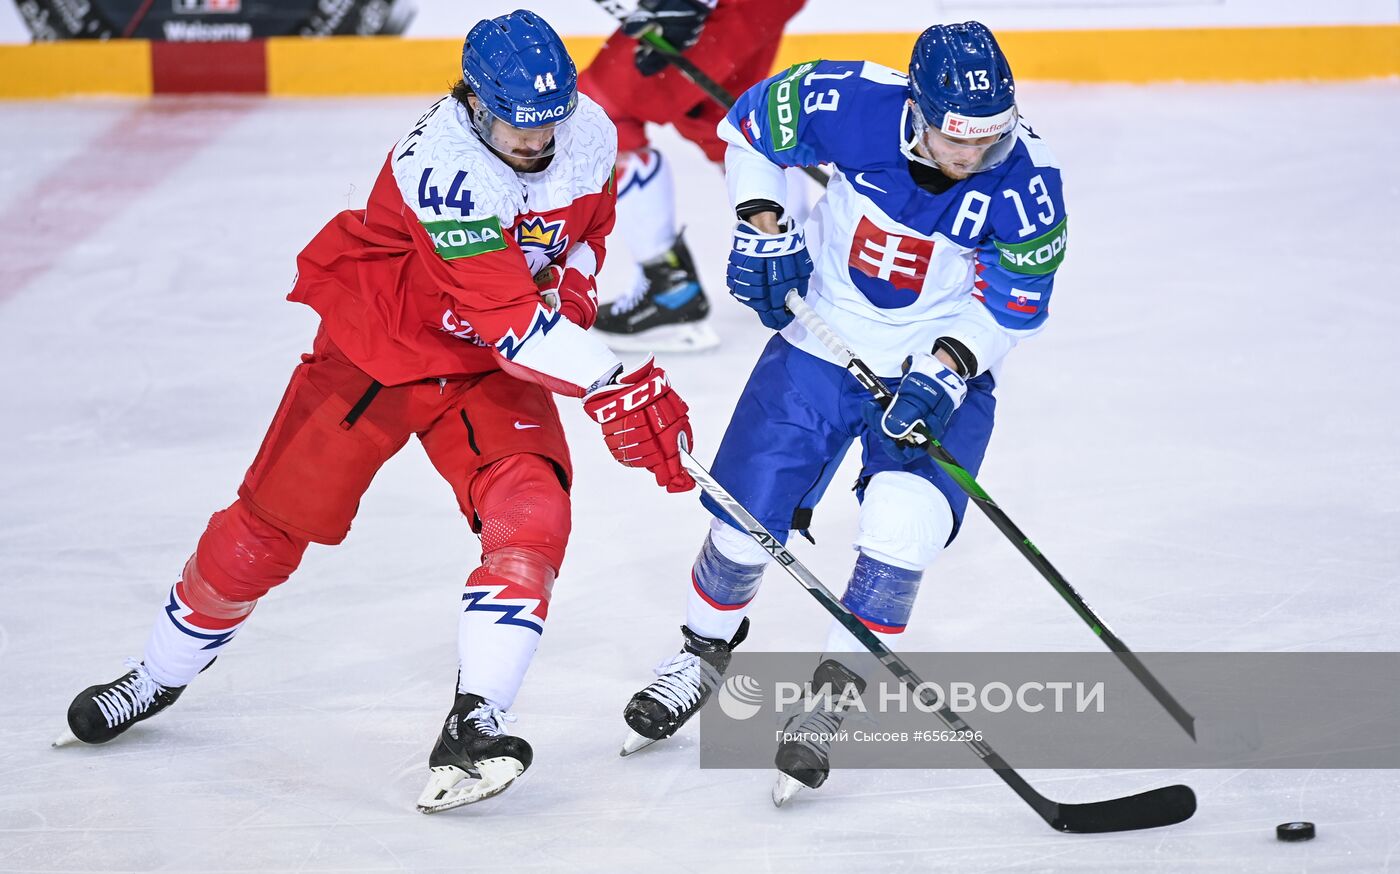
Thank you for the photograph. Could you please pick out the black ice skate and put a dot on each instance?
(682, 686)
(473, 746)
(804, 759)
(666, 314)
(101, 713)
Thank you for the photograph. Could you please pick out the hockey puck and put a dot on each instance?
(1296, 831)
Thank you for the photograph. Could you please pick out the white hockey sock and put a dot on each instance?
(494, 650)
(708, 619)
(838, 639)
(646, 203)
(503, 614)
(185, 639)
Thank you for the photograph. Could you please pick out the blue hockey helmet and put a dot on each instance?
(520, 72)
(963, 90)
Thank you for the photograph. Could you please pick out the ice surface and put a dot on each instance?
(1203, 441)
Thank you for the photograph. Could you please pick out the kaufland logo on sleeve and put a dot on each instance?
(966, 126)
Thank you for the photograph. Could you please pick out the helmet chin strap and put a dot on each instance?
(907, 146)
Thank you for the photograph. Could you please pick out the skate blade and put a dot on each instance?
(693, 337)
(443, 793)
(785, 789)
(634, 742)
(67, 739)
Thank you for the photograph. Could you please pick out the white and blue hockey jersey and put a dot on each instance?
(898, 267)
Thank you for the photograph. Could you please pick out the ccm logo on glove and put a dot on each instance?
(764, 267)
(645, 424)
(633, 399)
(752, 242)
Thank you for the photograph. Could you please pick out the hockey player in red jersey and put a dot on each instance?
(732, 41)
(451, 308)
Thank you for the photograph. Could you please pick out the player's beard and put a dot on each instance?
(930, 156)
(532, 163)
(955, 172)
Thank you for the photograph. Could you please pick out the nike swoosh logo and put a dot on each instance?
(521, 427)
(861, 181)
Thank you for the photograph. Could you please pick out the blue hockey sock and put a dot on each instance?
(881, 595)
(720, 593)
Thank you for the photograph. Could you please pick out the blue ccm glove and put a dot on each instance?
(928, 395)
(763, 268)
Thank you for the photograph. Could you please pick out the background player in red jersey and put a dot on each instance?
(734, 42)
(450, 310)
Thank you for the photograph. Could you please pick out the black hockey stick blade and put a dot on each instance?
(1168, 805)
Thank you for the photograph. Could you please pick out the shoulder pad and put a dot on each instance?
(1028, 225)
(1037, 150)
(446, 173)
(882, 75)
(584, 156)
(851, 111)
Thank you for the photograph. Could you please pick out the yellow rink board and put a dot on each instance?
(61, 69)
(370, 66)
(1259, 54)
(376, 65)
(382, 65)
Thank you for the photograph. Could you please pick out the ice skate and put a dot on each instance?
(101, 713)
(474, 758)
(804, 757)
(667, 312)
(682, 686)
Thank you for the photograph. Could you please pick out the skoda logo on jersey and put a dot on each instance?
(889, 269)
(534, 234)
(461, 237)
(740, 697)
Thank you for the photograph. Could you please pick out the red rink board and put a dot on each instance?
(201, 68)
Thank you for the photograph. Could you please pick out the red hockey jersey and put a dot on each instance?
(435, 277)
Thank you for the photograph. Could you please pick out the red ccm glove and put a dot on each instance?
(643, 422)
(569, 291)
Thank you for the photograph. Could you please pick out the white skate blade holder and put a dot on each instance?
(690, 337)
(67, 739)
(444, 793)
(784, 789)
(634, 742)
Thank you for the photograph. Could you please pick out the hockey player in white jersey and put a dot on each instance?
(934, 254)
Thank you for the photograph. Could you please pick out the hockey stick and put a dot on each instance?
(675, 58)
(867, 378)
(1156, 807)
